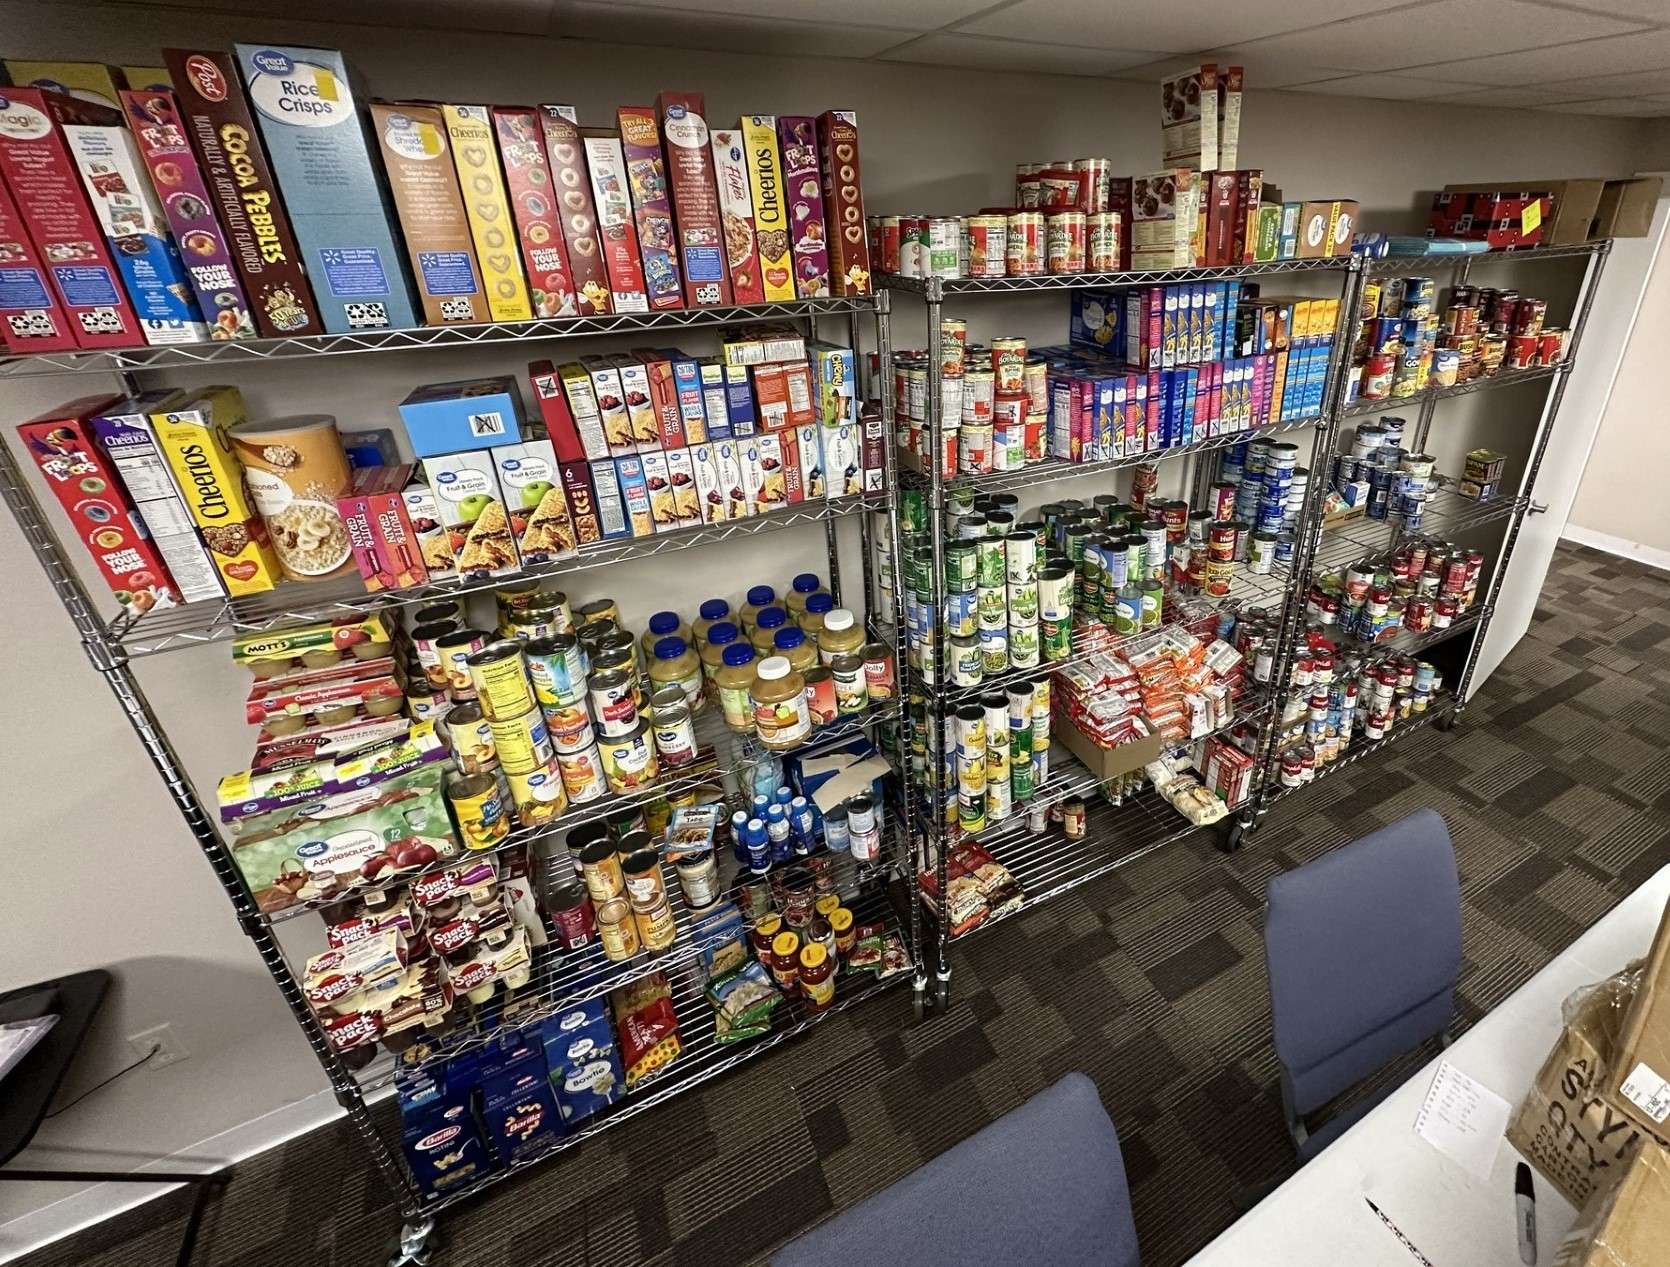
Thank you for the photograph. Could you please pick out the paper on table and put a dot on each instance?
(1463, 1119)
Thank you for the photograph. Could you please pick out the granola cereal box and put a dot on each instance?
(30, 318)
(472, 511)
(736, 217)
(527, 172)
(843, 203)
(652, 209)
(534, 498)
(572, 190)
(488, 211)
(417, 154)
(611, 189)
(803, 197)
(683, 117)
(772, 231)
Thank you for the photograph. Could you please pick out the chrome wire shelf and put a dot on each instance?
(1502, 378)
(243, 352)
(1080, 281)
(1442, 705)
(1417, 264)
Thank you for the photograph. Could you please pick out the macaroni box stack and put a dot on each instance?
(701, 248)
(488, 210)
(572, 190)
(528, 175)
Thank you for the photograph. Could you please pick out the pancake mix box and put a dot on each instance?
(652, 208)
(576, 212)
(30, 318)
(527, 172)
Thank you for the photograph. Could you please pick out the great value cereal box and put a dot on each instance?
(683, 117)
(611, 193)
(803, 198)
(30, 318)
(772, 231)
(527, 173)
(736, 216)
(472, 511)
(652, 209)
(488, 209)
(85, 81)
(572, 190)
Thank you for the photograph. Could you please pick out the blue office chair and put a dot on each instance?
(1044, 1184)
(1363, 948)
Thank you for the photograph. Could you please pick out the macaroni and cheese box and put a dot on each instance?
(533, 494)
(572, 190)
(611, 191)
(683, 117)
(527, 173)
(736, 217)
(332, 188)
(473, 414)
(30, 318)
(488, 210)
(652, 209)
(772, 231)
(803, 198)
(472, 510)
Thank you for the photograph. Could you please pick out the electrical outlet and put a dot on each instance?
(169, 1049)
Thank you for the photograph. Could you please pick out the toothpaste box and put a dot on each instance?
(332, 187)
(701, 242)
(581, 395)
(578, 216)
(803, 198)
(533, 495)
(710, 488)
(611, 405)
(736, 215)
(555, 413)
(808, 447)
(246, 198)
(417, 155)
(160, 133)
(681, 474)
(611, 507)
(385, 545)
(640, 139)
(658, 480)
(634, 495)
(727, 459)
(487, 208)
(582, 502)
(687, 381)
(434, 542)
(30, 318)
(527, 173)
(772, 231)
(753, 475)
(843, 203)
(714, 400)
(640, 407)
(473, 414)
(472, 510)
(611, 193)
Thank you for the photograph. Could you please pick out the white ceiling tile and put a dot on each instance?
(1173, 26)
(720, 32)
(1263, 69)
(1648, 50)
(1382, 87)
(1515, 98)
(918, 15)
(1016, 55)
(520, 17)
(1638, 106)
(1647, 10)
(1626, 85)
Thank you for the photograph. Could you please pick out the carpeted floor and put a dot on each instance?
(1557, 792)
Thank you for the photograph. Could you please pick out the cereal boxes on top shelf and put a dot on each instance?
(611, 188)
(528, 175)
(488, 210)
(736, 215)
(1189, 119)
(572, 190)
(147, 78)
(843, 203)
(695, 199)
(30, 318)
(652, 210)
(85, 81)
(772, 232)
(803, 200)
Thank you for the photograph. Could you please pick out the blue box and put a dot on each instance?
(440, 1136)
(479, 413)
(739, 402)
(519, 1110)
(687, 382)
(584, 1063)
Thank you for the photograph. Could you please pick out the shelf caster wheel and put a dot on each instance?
(417, 1244)
(919, 997)
(942, 991)
(1234, 835)
(1448, 721)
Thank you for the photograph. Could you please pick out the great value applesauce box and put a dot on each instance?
(527, 173)
(803, 199)
(736, 217)
(772, 231)
(245, 196)
(571, 188)
(488, 210)
(701, 251)
(611, 192)
(160, 132)
(843, 203)
(417, 155)
(30, 318)
(652, 209)
(533, 495)
(35, 162)
(333, 192)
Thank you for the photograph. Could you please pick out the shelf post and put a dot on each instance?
(934, 695)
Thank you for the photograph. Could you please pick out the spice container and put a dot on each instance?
(734, 683)
(781, 719)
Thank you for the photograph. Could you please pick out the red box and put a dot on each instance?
(97, 503)
(555, 413)
(843, 203)
(794, 488)
(701, 242)
(582, 502)
(771, 397)
(572, 189)
(663, 397)
(30, 318)
(652, 210)
(797, 383)
(1220, 216)
(36, 163)
(380, 531)
(527, 174)
(1496, 218)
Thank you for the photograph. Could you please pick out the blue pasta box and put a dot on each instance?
(440, 1136)
(474, 414)
(584, 1064)
(321, 156)
(519, 1109)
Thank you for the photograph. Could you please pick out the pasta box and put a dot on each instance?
(472, 511)
(487, 208)
(576, 211)
(527, 173)
(439, 1135)
(472, 414)
(519, 1109)
(701, 250)
(30, 318)
(652, 209)
(803, 201)
(583, 1059)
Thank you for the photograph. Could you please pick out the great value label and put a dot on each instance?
(488, 210)
(683, 118)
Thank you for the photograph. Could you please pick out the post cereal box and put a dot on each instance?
(843, 203)
(528, 174)
(736, 216)
(803, 196)
(332, 187)
(683, 117)
(488, 210)
(611, 190)
(572, 190)
(147, 78)
(30, 318)
(35, 161)
(533, 495)
(771, 220)
(640, 140)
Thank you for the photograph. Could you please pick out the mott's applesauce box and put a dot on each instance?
(317, 143)
(488, 210)
(771, 220)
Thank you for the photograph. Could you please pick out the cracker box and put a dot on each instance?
(843, 203)
(380, 530)
(473, 414)
(611, 191)
(634, 495)
(472, 510)
(808, 448)
(434, 542)
(727, 458)
(772, 231)
(527, 172)
(701, 249)
(88, 487)
(652, 208)
(736, 216)
(417, 155)
(556, 415)
(581, 395)
(30, 317)
(246, 198)
(611, 508)
(36, 163)
(681, 474)
(333, 191)
(710, 490)
(611, 405)
(533, 494)
(803, 199)
(160, 132)
(85, 81)
(194, 439)
(753, 474)
(640, 407)
(582, 502)
(487, 208)
(120, 192)
(572, 190)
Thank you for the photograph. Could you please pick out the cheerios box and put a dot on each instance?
(473, 414)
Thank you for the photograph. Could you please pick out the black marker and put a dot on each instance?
(1525, 1214)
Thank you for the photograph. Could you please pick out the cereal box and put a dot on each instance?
(611, 405)
(527, 173)
(714, 406)
(582, 502)
(572, 190)
(797, 383)
(611, 190)
(710, 489)
(640, 408)
(434, 542)
(472, 510)
(611, 510)
(736, 215)
(488, 211)
(794, 488)
(246, 199)
(803, 197)
(385, 544)
(417, 155)
(333, 190)
(663, 397)
(533, 494)
(771, 396)
(843, 203)
(147, 78)
(36, 162)
(727, 459)
(194, 439)
(160, 133)
(652, 209)
(683, 117)
(85, 81)
(30, 318)
(634, 495)
(687, 379)
(833, 369)
(772, 233)
(681, 474)
(581, 395)
(556, 415)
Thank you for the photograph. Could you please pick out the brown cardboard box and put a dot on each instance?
(1625, 1225)
(1638, 1081)
(1626, 208)
(1106, 763)
(1574, 206)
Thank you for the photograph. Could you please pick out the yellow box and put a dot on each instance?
(91, 81)
(143, 78)
(488, 209)
(771, 217)
(194, 439)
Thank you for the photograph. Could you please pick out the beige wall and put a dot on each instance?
(101, 867)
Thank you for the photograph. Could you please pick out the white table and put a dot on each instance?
(1320, 1215)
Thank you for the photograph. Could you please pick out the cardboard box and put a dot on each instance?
(808, 449)
(843, 203)
(652, 208)
(1639, 1079)
(582, 502)
(794, 488)
(147, 78)
(710, 491)
(246, 198)
(1164, 210)
(453, 417)
(1503, 220)
(611, 192)
(773, 491)
(581, 395)
(1105, 763)
(640, 407)
(380, 531)
(611, 405)
(1575, 204)
(1189, 120)
(332, 187)
(1626, 208)
(714, 400)
(532, 485)
(663, 397)
(873, 437)
(687, 381)
(843, 460)
(472, 510)
(740, 413)
(772, 231)
(527, 173)
(803, 198)
(556, 415)
(31, 319)
(434, 542)
(658, 485)
(681, 474)
(1230, 79)
(418, 158)
(1624, 1225)
(771, 396)
(578, 215)
(736, 214)
(85, 81)
(487, 208)
(753, 474)
(634, 495)
(797, 384)
(727, 457)
(701, 242)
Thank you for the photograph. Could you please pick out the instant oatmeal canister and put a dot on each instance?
(295, 470)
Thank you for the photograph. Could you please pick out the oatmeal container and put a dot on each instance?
(295, 470)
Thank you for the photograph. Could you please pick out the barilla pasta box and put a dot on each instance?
(736, 217)
(611, 191)
(160, 132)
(119, 190)
(417, 155)
(87, 486)
(488, 209)
(246, 198)
(571, 187)
(30, 318)
(333, 191)
(803, 198)
(472, 511)
(652, 208)
(527, 172)
(35, 161)
(533, 495)
(85, 81)
(701, 248)
(843, 203)
(772, 231)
